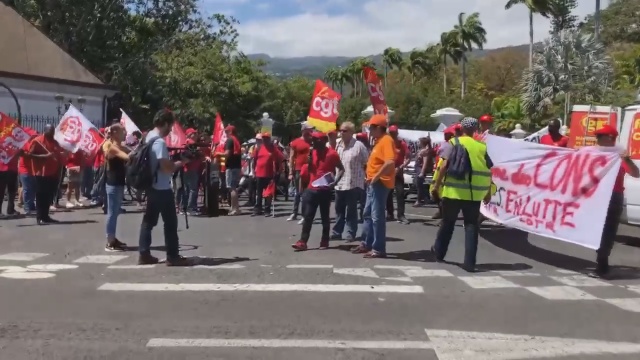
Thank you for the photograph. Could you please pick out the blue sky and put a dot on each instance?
(291, 28)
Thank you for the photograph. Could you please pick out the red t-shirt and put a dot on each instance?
(301, 149)
(267, 160)
(401, 151)
(49, 166)
(561, 141)
(12, 165)
(75, 160)
(325, 163)
(618, 186)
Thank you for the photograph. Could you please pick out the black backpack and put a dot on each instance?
(140, 176)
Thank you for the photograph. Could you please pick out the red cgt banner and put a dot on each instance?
(323, 113)
(12, 138)
(376, 96)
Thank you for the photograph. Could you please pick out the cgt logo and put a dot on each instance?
(593, 123)
(326, 107)
(375, 91)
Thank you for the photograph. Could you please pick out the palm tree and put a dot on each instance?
(535, 7)
(391, 58)
(596, 21)
(467, 33)
(446, 48)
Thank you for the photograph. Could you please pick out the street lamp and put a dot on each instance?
(15, 98)
(81, 102)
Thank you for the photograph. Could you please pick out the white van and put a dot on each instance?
(630, 128)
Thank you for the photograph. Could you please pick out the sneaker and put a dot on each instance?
(292, 218)
(299, 246)
(324, 244)
(179, 261)
(301, 222)
(147, 259)
(375, 255)
(114, 247)
(335, 237)
(403, 220)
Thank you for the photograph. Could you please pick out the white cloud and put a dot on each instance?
(377, 24)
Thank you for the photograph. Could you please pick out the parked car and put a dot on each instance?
(409, 176)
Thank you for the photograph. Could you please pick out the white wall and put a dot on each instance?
(38, 98)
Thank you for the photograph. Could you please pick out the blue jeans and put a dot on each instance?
(160, 202)
(374, 232)
(114, 203)
(347, 212)
(87, 182)
(28, 191)
(188, 192)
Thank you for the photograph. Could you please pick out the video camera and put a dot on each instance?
(189, 151)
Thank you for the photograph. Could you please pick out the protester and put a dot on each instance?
(353, 156)
(28, 182)
(74, 178)
(116, 157)
(606, 137)
(486, 122)
(436, 191)
(187, 192)
(45, 157)
(554, 137)
(233, 154)
(322, 163)
(268, 161)
(423, 166)
(402, 160)
(380, 177)
(463, 195)
(363, 138)
(298, 155)
(9, 185)
(160, 198)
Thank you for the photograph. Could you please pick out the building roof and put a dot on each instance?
(28, 53)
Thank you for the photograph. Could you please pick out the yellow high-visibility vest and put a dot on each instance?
(477, 185)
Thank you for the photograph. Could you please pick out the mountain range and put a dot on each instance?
(315, 66)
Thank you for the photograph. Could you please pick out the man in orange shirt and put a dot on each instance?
(380, 178)
(44, 157)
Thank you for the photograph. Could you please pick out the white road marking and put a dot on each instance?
(420, 216)
(462, 345)
(514, 273)
(632, 305)
(291, 343)
(22, 256)
(366, 272)
(405, 289)
(560, 293)
(568, 272)
(27, 275)
(309, 266)
(221, 266)
(579, 280)
(7, 269)
(397, 267)
(51, 267)
(427, 273)
(100, 259)
(129, 267)
(399, 278)
(634, 288)
(488, 282)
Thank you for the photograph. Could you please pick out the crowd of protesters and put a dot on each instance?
(361, 171)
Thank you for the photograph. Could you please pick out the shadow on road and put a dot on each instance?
(60, 222)
(207, 261)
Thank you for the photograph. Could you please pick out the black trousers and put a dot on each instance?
(610, 229)
(261, 184)
(399, 191)
(46, 191)
(312, 200)
(9, 186)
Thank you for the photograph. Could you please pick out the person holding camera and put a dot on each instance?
(160, 198)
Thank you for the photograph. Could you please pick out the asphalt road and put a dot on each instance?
(63, 297)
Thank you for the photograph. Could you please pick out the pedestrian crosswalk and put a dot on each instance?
(552, 285)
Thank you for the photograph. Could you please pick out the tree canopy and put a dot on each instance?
(167, 54)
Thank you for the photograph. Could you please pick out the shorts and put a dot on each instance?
(232, 178)
(74, 176)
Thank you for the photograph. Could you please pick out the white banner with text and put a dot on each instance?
(554, 192)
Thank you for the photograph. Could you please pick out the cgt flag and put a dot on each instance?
(376, 96)
(323, 113)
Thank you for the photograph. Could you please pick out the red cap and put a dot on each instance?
(458, 127)
(486, 118)
(393, 128)
(607, 130)
(230, 128)
(362, 136)
(318, 135)
(190, 131)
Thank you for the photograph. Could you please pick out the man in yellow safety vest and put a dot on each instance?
(463, 194)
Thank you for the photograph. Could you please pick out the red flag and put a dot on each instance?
(270, 190)
(324, 108)
(176, 138)
(12, 138)
(376, 96)
(219, 136)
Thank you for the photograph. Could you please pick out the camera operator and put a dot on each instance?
(160, 198)
(187, 192)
